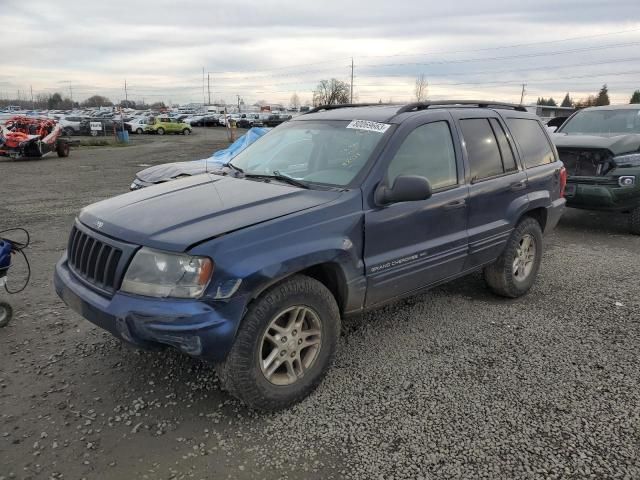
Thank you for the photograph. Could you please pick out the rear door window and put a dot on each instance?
(482, 148)
(534, 145)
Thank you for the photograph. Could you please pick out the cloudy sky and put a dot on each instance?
(271, 49)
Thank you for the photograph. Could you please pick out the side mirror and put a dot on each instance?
(405, 188)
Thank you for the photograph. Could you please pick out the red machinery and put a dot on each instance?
(30, 137)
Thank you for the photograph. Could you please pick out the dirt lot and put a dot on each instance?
(455, 383)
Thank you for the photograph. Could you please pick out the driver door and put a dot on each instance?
(411, 245)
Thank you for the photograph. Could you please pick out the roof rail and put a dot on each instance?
(416, 106)
(320, 108)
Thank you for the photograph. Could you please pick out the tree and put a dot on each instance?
(54, 101)
(128, 104)
(295, 101)
(590, 101)
(158, 105)
(550, 102)
(567, 102)
(421, 89)
(635, 98)
(603, 96)
(331, 92)
(97, 101)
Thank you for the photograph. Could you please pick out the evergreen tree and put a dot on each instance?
(635, 98)
(567, 102)
(603, 96)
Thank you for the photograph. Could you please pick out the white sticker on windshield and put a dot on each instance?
(369, 126)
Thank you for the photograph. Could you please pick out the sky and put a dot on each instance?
(271, 49)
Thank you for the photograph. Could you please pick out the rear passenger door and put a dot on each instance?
(497, 183)
(538, 157)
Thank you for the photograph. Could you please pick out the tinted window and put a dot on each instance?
(482, 148)
(508, 160)
(532, 141)
(428, 152)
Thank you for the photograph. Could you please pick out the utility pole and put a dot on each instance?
(126, 96)
(351, 101)
(33, 105)
(71, 93)
(523, 92)
(238, 102)
(209, 87)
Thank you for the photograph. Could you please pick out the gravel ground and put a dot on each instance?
(455, 383)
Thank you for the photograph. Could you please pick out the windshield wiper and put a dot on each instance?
(237, 169)
(280, 177)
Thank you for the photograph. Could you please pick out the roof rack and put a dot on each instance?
(416, 106)
(343, 105)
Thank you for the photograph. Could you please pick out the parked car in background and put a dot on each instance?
(70, 125)
(338, 211)
(276, 119)
(162, 125)
(137, 125)
(108, 126)
(600, 147)
(209, 120)
(249, 120)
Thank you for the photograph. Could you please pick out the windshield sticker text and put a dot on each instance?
(369, 126)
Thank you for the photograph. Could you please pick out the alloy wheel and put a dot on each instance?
(290, 345)
(525, 257)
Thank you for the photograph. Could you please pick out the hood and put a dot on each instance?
(616, 144)
(175, 215)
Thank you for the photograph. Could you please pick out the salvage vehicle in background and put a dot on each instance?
(166, 172)
(29, 137)
(600, 147)
(276, 119)
(338, 211)
(70, 125)
(162, 125)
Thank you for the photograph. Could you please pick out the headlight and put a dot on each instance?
(162, 274)
(630, 160)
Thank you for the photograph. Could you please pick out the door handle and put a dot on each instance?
(518, 185)
(455, 204)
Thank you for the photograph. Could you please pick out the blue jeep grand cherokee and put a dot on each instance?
(337, 211)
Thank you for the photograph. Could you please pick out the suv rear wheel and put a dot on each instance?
(634, 221)
(284, 346)
(514, 272)
(160, 131)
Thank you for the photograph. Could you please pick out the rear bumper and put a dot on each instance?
(554, 212)
(194, 327)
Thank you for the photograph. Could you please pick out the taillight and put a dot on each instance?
(563, 181)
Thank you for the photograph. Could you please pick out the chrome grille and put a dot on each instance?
(92, 260)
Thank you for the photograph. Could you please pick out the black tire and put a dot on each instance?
(186, 131)
(500, 275)
(634, 221)
(6, 314)
(68, 131)
(139, 131)
(62, 149)
(241, 375)
(160, 131)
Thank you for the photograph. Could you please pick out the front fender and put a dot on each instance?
(264, 254)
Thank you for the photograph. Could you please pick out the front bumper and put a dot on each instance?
(192, 326)
(601, 193)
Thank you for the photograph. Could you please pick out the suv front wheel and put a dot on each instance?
(514, 272)
(284, 345)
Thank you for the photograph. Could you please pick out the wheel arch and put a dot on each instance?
(539, 214)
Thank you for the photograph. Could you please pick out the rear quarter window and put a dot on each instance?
(534, 145)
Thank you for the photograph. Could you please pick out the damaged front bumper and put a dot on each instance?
(603, 193)
(194, 327)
